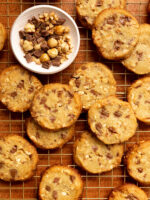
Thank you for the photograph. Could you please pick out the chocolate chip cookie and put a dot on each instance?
(128, 191)
(17, 88)
(139, 60)
(138, 161)
(46, 139)
(60, 183)
(55, 106)
(18, 158)
(115, 33)
(112, 120)
(139, 99)
(88, 10)
(3, 36)
(93, 81)
(94, 156)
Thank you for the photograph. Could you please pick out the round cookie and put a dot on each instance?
(55, 106)
(94, 156)
(93, 81)
(18, 158)
(61, 183)
(115, 33)
(88, 10)
(139, 99)
(3, 36)
(139, 60)
(128, 191)
(112, 120)
(138, 161)
(47, 139)
(17, 88)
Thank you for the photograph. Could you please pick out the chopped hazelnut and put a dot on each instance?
(27, 45)
(53, 53)
(44, 57)
(52, 42)
(29, 28)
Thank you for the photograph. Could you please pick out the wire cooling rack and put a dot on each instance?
(95, 186)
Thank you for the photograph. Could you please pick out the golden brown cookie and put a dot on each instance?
(139, 99)
(128, 191)
(55, 106)
(18, 158)
(94, 156)
(93, 81)
(17, 88)
(60, 183)
(138, 161)
(139, 59)
(88, 10)
(115, 33)
(47, 139)
(3, 36)
(112, 120)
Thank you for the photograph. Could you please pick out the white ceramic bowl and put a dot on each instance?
(19, 25)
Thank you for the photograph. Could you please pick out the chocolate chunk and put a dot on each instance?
(98, 127)
(34, 21)
(63, 136)
(28, 57)
(40, 39)
(111, 20)
(139, 55)
(13, 173)
(99, 3)
(37, 35)
(31, 89)
(44, 33)
(112, 129)
(59, 93)
(55, 110)
(60, 21)
(44, 46)
(147, 101)
(57, 61)
(43, 100)
(95, 148)
(55, 195)
(42, 26)
(109, 156)
(94, 92)
(22, 34)
(37, 135)
(29, 37)
(14, 149)
(138, 161)
(138, 86)
(140, 170)
(70, 94)
(21, 84)
(46, 65)
(123, 19)
(72, 178)
(37, 53)
(117, 113)
(77, 82)
(52, 118)
(13, 94)
(117, 44)
(104, 112)
(72, 116)
(47, 188)
(1, 164)
(56, 180)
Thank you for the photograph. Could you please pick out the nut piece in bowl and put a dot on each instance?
(45, 39)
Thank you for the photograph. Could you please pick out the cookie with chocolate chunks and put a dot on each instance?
(128, 191)
(61, 183)
(17, 88)
(115, 33)
(94, 156)
(139, 60)
(46, 139)
(93, 81)
(112, 120)
(137, 160)
(88, 10)
(139, 99)
(55, 106)
(18, 158)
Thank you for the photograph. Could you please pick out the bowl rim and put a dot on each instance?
(58, 69)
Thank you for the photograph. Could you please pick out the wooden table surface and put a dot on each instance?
(95, 186)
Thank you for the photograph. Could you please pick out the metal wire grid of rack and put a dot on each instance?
(95, 186)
